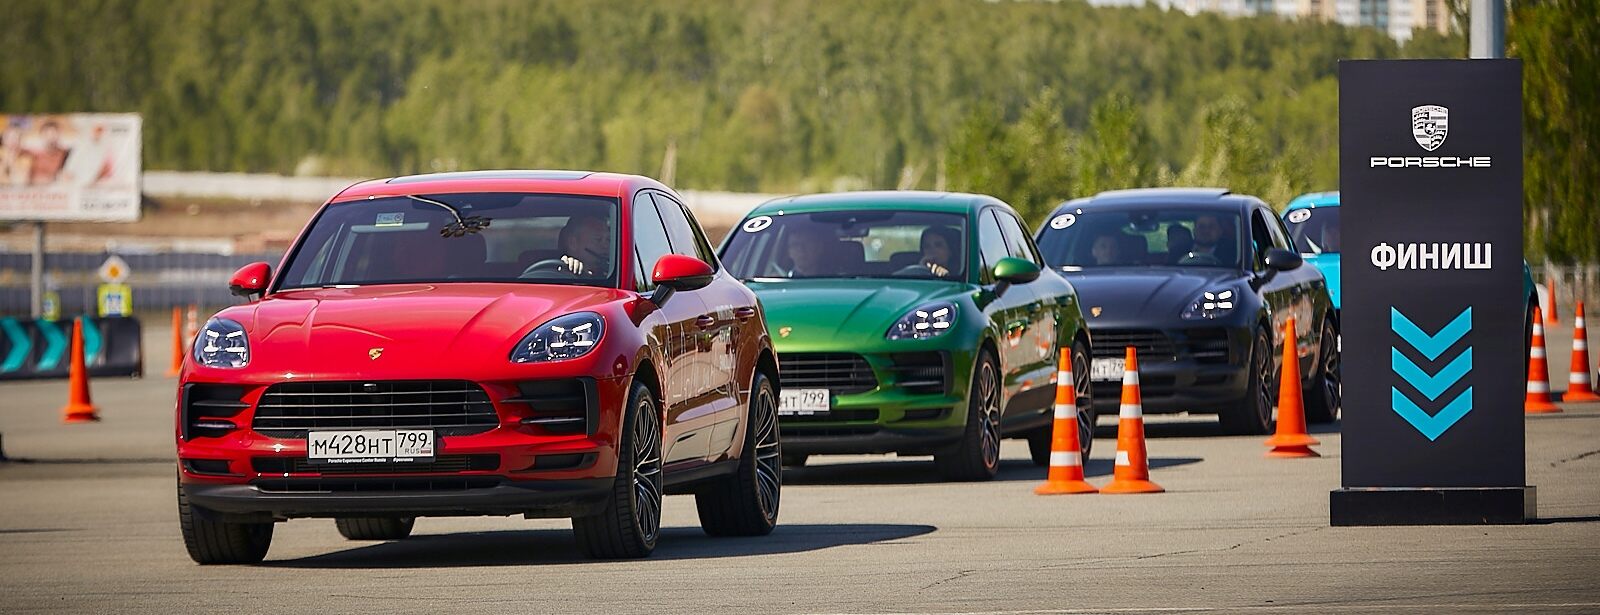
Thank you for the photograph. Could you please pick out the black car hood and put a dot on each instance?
(1144, 297)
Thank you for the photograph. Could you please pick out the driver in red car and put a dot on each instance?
(585, 244)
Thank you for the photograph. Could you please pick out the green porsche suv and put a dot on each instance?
(915, 323)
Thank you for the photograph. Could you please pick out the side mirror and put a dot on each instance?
(675, 272)
(1012, 270)
(1280, 259)
(250, 279)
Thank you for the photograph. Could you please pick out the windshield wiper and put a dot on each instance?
(462, 226)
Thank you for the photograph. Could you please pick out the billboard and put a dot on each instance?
(76, 166)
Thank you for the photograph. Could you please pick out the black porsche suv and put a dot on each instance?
(1200, 281)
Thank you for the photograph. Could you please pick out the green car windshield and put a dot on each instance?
(1179, 236)
(849, 244)
(1314, 231)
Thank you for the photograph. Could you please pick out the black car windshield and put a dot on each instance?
(1314, 231)
(849, 244)
(1178, 236)
(476, 237)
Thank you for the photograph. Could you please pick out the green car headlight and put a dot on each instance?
(927, 320)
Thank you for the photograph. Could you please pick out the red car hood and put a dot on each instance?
(409, 324)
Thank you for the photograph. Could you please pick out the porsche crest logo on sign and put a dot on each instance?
(1430, 124)
(374, 353)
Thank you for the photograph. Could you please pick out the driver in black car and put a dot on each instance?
(1213, 240)
(585, 244)
(940, 245)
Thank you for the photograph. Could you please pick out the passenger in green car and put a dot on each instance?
(807, 253)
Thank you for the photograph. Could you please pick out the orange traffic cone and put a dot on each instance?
(1132, 471)
(177, 342)
(79, 409)
(1291, 440)
(1066, 464)
(1554, 317)
(1579, 387)
(1538, 401)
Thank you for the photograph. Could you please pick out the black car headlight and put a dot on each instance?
(927, 320)
(222, 343)
(564, 337)
(1213, 304)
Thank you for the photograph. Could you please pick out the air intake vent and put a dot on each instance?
(442, 463)
(570, 406)
(209, 410)
(921, 372)
(1151, 344)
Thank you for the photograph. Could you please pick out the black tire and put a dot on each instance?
(977, 456)
(214, 542)
(1325, 392)
(795, 460)
(630, 523)
(746, 503)
(1039, 441)
(1252, 415)
(375, 528)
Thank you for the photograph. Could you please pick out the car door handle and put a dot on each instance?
(744, 313)
(706, 321)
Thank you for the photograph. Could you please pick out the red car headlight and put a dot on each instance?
(564, 337)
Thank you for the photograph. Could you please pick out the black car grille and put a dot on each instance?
(839, 372)
(450, 407)
(852, 414)
(1152, 345)
(442, 463)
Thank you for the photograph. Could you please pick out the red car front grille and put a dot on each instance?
(450, 407)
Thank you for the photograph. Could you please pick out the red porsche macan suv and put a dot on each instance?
(543, 343)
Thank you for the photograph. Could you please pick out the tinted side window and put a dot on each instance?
(1280, 234)
(702, 247)
(1017, 242)
(991, 242)
(1260, 238)
(679, 230)
(649, 240)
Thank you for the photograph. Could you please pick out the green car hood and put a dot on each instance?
(829, 312)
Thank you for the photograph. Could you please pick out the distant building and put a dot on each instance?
(1396, 17)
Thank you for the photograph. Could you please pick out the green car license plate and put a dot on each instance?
(804, 402)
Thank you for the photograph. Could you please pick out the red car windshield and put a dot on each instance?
(476, 237)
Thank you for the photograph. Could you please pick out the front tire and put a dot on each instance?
(977, 456)
(375, 528)
(1325, 393)
(214, 542)
(630, 523)
(746, 503)
(1252, 415)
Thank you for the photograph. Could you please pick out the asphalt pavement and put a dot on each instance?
(88, 524)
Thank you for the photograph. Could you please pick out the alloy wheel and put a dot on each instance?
(1083, 387)
(647, 470)
(989, 404)
(769, 456)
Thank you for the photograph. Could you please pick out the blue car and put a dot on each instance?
(1313, 222)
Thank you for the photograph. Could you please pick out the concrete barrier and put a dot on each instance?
(35, 349)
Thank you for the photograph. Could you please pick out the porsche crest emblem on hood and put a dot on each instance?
(374, 353)
(784, 331)
(1095, 311)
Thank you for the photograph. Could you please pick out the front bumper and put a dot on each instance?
(891, 417)
(1189, 376)
(484, 496)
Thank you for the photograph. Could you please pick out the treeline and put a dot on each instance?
(1032, 101)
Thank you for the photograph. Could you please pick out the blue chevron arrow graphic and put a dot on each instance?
(1431, 386)
(91, 341)
(1431, 426)
(20, 345)
(1431, 346)
(55, 346)
(1435, 385)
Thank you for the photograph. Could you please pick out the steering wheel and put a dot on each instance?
(549, 265)
(915, 271)
(1193, 258)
